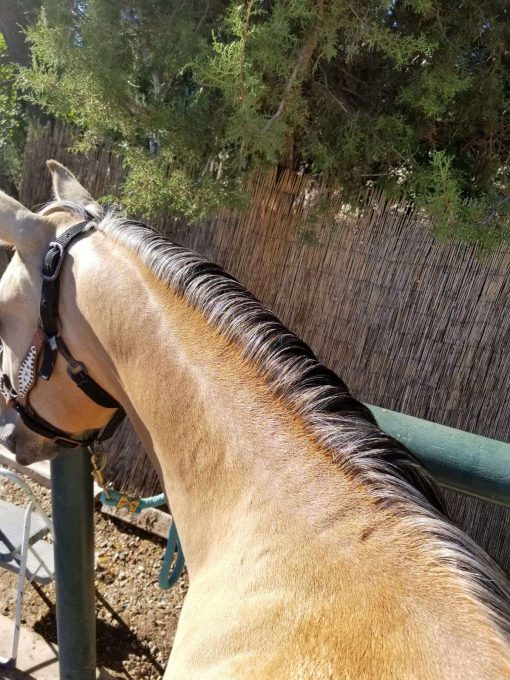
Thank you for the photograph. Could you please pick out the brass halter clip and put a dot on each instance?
(99, 460)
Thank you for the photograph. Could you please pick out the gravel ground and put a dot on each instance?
(136, 621)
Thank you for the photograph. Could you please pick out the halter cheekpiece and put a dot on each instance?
(46, 344)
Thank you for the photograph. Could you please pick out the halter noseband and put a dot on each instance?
(41, 356)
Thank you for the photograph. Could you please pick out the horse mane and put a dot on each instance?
(339, 423)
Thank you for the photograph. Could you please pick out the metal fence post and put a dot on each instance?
(73, 519)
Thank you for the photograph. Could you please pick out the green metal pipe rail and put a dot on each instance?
(458, 460)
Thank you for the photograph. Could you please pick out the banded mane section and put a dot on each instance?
(340, 424)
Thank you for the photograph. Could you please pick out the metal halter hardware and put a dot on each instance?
(41, 356)
(58, 266)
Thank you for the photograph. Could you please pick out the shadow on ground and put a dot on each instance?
(115, 640)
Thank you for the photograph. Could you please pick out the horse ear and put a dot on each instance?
(19, 227)
(67, 188)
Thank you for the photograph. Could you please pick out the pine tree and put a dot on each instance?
(411, 95)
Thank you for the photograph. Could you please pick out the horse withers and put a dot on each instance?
(316, 546)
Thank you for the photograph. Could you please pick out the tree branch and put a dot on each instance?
(304, 58)
(246, 24)
(14, 16)
(202, 18)
(342, 105)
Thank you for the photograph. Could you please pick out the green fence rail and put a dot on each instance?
(458, 460)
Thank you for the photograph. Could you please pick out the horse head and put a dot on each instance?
(56, 401)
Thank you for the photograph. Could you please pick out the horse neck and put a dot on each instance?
(225, 448)
(246, 481)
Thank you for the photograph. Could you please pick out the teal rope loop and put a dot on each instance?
(168, 575)
(116, 499)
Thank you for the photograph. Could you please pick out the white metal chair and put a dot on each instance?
(23, 550)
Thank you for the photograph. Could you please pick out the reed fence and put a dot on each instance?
(410, 323)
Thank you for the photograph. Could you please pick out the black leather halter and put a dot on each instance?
(42, 355)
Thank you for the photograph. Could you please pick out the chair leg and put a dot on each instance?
(10, 662)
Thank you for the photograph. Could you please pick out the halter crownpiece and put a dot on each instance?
(41, 356)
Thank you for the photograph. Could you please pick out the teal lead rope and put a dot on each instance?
(116, 499)
(168, 575)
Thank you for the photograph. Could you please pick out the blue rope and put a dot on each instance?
(116, 499)
(168, 575)
(153, 501)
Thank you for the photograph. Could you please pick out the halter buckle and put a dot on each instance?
(56, 271)
(75, 368)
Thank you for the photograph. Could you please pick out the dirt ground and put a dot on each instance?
(136, 621)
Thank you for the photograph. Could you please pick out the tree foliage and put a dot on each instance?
(14, 17)
(411, 95)
(11, 119)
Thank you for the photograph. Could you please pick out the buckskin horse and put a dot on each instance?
(315, 544)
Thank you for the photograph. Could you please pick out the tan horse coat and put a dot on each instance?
(296, 570)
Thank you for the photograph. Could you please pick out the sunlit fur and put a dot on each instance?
(340, 424)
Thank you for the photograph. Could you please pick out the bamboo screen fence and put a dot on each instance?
(409, 323)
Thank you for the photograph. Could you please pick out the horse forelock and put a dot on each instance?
(338, 422)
